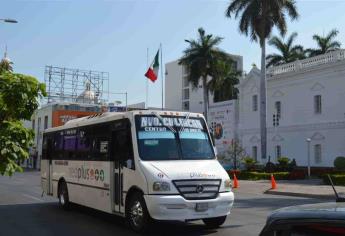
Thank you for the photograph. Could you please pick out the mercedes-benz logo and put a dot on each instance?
(199, 188)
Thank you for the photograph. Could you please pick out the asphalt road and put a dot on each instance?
(24, 212)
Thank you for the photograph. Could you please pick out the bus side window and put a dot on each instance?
(85, 143)
(122, 147)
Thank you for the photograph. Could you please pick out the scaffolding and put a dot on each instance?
(71, 85)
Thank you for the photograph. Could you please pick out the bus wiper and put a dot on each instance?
(161, 120)
(184, 121)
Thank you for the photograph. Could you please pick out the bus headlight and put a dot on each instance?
(161, 186)
(227, 185)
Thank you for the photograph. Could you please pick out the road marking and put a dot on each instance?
(32, 197)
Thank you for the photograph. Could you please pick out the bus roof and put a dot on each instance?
(109, 116)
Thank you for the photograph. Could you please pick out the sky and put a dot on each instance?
(113, 36)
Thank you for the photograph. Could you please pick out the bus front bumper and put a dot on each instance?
(175, 207)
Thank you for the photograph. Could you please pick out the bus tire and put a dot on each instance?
(214, 222)
(137, 215)
(63, 196)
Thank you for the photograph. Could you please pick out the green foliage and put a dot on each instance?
(337, 179)
(288, 52)
(283, 163)
(18, 100)
(249, 163)
(248, 175)
(258, 17)
(225, 87)
(325, 43)
(201, 58)
(339, 163)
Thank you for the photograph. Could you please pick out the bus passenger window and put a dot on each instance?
(122, 148)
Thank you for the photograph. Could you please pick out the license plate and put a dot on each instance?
(201, 206)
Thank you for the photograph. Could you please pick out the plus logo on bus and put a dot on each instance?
(87, 174)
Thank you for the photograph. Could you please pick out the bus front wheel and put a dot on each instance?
(214, 222)
(137, 215)
(63, 195)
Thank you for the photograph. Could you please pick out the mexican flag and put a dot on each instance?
(152, 72)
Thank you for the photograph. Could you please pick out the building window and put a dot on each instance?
(317, 104)
(255, 102)
(317, 153)
(45, 122)
(255, 153)
(185, 82)
(185, 106)
(186, 93)
(278, 151)
(277, 107)
(33, 124)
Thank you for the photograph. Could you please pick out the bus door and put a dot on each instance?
(47, 165)
(122, 154)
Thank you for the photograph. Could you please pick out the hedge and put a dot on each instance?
(338, 179)
(247, 175)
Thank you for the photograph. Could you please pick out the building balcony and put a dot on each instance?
(301, 65)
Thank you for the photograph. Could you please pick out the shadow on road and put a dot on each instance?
(49, 219)
(272, 203)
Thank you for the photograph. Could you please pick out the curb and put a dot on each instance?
(306, 195)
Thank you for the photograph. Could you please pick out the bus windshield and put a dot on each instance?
(172, 138)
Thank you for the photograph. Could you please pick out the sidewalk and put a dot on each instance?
(299, 188)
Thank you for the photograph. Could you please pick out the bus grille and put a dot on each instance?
(196, 189)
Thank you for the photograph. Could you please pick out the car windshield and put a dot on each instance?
(172, 138)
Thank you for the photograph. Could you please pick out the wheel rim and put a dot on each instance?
(137, 213)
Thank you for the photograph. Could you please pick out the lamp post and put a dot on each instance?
(308, 144)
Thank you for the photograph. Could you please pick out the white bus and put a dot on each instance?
(142, 165)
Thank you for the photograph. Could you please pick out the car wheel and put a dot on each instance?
(214, 222)
(63, 196)
(137, 215)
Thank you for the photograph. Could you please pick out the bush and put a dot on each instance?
(283, 163)
(249, 163)
(339, 163)
(338, 179)
(249, 175)
(270, 167)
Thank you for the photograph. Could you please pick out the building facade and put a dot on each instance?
(305, 111)
(179, 93)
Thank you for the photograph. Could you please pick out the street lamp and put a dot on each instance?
(308, 144)
(9, 20)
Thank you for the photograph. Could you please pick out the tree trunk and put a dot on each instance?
(263, 130)
(205, 91)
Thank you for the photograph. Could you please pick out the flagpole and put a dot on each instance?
(147, 82)
(162, 76)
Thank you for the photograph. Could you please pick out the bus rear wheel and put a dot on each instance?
(214, 222)
(63, 196)
(137, 215)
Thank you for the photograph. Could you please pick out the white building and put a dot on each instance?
(304, 101)
(307, 98)
(179, 93)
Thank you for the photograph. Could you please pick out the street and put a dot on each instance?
(24, 212)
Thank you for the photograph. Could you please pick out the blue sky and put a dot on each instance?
(113, 36)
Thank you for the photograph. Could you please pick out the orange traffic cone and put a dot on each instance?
(236, 185)
(273, 182)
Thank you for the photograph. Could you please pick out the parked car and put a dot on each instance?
(322, 219)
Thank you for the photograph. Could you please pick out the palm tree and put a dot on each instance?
(225, 88)
(288, 52)
(201, 58)
(325, 44)
(257, 19)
